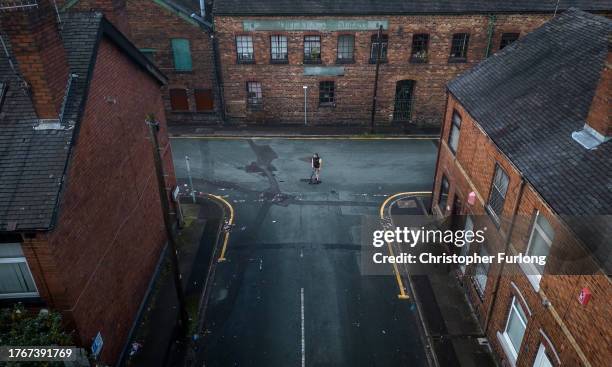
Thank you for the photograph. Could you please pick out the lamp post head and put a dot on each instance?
(305, 87)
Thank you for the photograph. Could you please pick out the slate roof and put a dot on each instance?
(382, 7)
(33, 162)
(530, 97)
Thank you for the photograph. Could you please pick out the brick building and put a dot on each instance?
(270, 50)
(81, 225)
(177, 36)
(526, 152)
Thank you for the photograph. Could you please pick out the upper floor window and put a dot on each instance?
(346, 49)
(327, 93)
(420, 44)
(540, 241)
(507, 38)
(443, 196)
(179, 100)
(181, 52)
(312, 50)
(244, 50)
(515, 328)
(254, 95)
(453, 136)
(459, 47)
(384, 43)
(497, 196)
(278, 49)
(16, 280)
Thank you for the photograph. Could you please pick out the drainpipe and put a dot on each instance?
(202, 9)
(433, 188)
(506, 247)
(378, 55)
(218, 73)
(491, 27)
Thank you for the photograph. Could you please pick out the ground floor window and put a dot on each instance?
(541, 358)
(15, 277)
(327, 93)
(481, 272)
(254, 95)
(204, 99)
(515, 327)
(443, 197)
(179, 100)
(465, 250)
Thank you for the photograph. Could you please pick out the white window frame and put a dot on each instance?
(541, 358)
(514, 307)
(18, 260)
(481, 288)
(530, 270)
(455, 127)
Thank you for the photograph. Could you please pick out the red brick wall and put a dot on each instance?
(153, 26)
(109, 233)
(282, 84)
(588, 326)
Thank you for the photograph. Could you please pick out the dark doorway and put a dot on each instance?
(403, 100)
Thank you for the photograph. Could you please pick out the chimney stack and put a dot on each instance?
(599, 113)
(38, 49)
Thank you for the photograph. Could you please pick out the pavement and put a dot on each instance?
(157, 331)
(289, 130)
(291, 292)
(451, 328)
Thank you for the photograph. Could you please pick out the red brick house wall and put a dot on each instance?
(577, 333)
(283, 95)
(109, 232)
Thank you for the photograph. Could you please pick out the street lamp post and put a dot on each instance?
(305, 105)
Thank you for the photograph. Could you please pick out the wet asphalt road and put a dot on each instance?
(291, 292)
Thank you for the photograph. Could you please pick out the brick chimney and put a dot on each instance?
(37, 48)
(599, 113)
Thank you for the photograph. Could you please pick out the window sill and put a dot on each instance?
(532, 275)
(507, 349)
(345, 61)
(245, 62)
(312, 62)
(414, 60)
(327, 105)
(457, 60)
(279, 62)
(382, 61)
(183, 71)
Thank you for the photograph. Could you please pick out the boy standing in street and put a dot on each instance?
(316, 163)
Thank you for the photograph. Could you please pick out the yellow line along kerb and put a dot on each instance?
(398, 278)
(230, 222)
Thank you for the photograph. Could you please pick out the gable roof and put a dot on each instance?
(33, 162)
(530, 97)
(382, 7)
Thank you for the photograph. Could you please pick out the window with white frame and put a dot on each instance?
(465, 250)
(497, 195)
(540, 241)
(481, 272)
(541, 359)
(15, 277)
(515, 327)
(453, 136)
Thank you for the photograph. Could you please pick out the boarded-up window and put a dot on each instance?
(182, 54)
(178, 100)
(204, 99)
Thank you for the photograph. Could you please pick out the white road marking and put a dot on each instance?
(303, 331)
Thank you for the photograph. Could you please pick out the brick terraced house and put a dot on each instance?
(526, 152)
(282, 57)
(177, 36)
(81, 224)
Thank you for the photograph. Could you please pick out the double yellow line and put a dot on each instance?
(398, 278)
(229, 223)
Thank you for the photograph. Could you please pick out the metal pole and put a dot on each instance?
(190, 179)
(161, 185)
(378, 54)
(305, 106)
